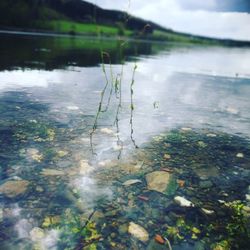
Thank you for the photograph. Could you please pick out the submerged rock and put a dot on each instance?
(205, 173)
(51, 172)
(62, 153)
(34, 154)
(37, 234)
(13, 189)
(85, 168)
(167, 156)
(183, 202)
(158, 181)
(138, 232)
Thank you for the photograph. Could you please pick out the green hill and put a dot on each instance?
(80, 17)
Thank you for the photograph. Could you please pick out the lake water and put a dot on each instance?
(167, 153)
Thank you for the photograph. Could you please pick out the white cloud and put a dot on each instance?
(187, 16)
(197, 4)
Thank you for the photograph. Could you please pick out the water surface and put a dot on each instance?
(190, 118)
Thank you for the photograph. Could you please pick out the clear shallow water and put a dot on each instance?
(49, 96)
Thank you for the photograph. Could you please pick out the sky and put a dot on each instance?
(213, 18)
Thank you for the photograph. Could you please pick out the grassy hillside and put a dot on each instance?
(72, 27)
(80, 17)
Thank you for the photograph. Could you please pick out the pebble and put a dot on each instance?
(72, 108)
(186, 129)
(248, 197)
(143, 198)
(240, 155)
(183, 202)
(202, 144)
(211, 135)
(39, 189)
(131, 182)
(181, 183)
(167, 156)
(138, 232)
(62, 153)
(221, 201)
(207, 211)
(159, 239)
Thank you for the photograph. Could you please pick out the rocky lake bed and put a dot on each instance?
(186, 189)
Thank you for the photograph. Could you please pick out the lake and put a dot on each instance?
(123, 144)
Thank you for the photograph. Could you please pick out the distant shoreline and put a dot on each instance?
(46, 33)
(39, 32)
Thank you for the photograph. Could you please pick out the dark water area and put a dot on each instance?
(51, 53)
(165, 163)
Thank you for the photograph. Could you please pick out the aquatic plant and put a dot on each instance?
(115, 83)
(222, 245)
(34, 130)
(174, 137)
(76, 231)
(172, 186)
(181, 231)
(238, 229)
(132, 106)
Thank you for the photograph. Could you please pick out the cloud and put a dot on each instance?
(197, 4)
(190, 16)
